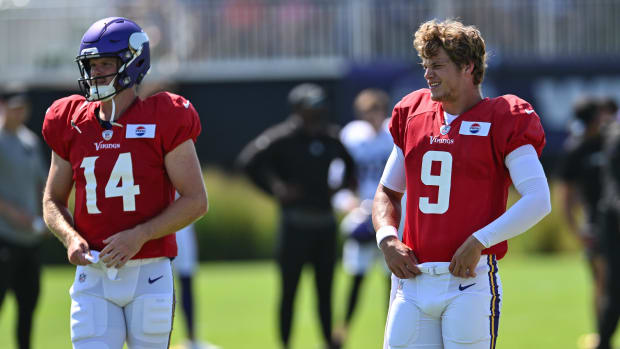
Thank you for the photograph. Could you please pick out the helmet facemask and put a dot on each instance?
(90, 86)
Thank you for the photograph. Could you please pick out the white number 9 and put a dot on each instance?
(443, 181)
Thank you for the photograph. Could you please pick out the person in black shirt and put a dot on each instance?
(292, 161)
(580, 189)
(609, 225)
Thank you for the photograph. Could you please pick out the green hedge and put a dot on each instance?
(242, 223)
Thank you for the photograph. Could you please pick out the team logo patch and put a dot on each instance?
(444, 129)
(107, 134)
(140, 131)
(475, 128)
(82, 277)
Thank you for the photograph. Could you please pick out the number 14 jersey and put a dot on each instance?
(119, 174)
(457, 181)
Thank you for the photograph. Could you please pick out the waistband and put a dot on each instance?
(113, 272)
(439, 268)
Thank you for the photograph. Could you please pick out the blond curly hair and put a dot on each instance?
(463, 44)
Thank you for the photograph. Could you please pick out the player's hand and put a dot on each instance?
(121, 247)
(466, 258)
(77, 249)
(400, 258)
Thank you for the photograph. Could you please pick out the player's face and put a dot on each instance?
(17, 115)
(105, 67)
(374, 113)
(443, 76)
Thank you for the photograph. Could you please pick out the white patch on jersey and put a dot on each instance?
(186, 104)
(529, 111)
(475, 128)
(140, 131)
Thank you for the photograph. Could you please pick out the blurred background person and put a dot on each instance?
(184, 266)
(22, 177)
(609, 226)
(291, 161)
(580, 191)
(369, 142)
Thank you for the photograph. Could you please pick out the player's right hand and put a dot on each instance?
(400, 258)
(77, 249)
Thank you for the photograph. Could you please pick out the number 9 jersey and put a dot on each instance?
(456, 178)
(119, 173)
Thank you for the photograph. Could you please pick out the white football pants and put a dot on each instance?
(136, 305)
(437, 310)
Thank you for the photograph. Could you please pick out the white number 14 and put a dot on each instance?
(122, 171)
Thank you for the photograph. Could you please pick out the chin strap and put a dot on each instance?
(113, 113)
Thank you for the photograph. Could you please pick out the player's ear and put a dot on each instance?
(468, 68)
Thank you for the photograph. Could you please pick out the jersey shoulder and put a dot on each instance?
(516, 124)
(168, 102)
(61, 117)
(511, 105)
(64, 108)
(175, 116)
(417, 102)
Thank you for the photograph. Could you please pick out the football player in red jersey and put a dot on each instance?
(126, 156)
(456, 154)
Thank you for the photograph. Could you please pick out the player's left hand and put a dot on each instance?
(466, 258)
(120, 247)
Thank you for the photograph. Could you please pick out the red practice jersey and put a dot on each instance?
(119, 174)
(457, 182)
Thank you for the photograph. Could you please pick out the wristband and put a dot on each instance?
(384, 232)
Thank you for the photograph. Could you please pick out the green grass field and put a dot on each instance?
(546, 305)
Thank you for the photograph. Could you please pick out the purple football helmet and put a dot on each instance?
(113, 37)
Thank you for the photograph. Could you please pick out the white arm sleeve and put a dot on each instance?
(394, 173)
(529, 179)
